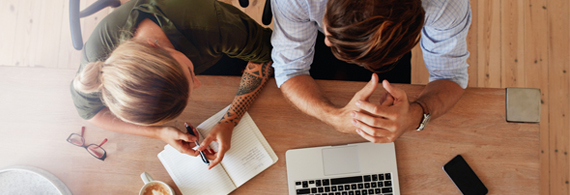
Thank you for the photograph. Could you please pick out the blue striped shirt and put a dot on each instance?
(443, 40)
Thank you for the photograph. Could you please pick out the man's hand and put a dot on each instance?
(221, 133)
(385, 122)
(343, 120)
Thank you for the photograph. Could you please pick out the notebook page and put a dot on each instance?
(247, 156)
(192, 176)
(263, 141)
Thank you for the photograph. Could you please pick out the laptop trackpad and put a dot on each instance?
(341, 160)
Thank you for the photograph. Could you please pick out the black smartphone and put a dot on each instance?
(464, 178)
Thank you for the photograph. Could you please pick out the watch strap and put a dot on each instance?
(425, 115)
(425, 109)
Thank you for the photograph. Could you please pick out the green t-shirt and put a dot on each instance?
(204, 30)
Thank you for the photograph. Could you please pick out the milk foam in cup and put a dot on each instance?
(154, 187)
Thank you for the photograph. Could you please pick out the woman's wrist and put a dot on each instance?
(156, 132)
(228, 124)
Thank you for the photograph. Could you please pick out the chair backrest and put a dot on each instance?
(266, 16)
(75, 15)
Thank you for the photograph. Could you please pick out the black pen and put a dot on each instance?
(191, 131)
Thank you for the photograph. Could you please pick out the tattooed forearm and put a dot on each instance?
(264, 72)
(236, 111)
(253, 80)
(249, 83)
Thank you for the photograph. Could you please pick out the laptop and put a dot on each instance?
(353, 169)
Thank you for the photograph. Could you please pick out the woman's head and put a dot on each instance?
(140, 83)
(372, 33)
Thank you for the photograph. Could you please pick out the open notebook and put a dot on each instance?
(249, 155)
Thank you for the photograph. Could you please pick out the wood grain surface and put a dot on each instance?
(38, 115)
(36, 34)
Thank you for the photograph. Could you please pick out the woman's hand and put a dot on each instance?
(181, 141)
(221, 133)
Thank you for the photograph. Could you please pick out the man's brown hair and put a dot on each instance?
(373, 33)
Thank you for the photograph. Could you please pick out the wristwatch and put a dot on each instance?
(426, 116)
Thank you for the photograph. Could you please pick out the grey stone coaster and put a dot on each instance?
(30, 181)
(523, 105)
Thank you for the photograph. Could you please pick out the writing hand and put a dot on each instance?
(221, 133)
(385, 122)
(177, 139)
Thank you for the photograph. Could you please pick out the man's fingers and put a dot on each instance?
(373, 121)
(397, 93)
(367, 91)
(374, 109)
(371, 130)
(383, 98)
(387, 100)
(371, 138)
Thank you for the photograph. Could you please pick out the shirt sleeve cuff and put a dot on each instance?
(282, 76)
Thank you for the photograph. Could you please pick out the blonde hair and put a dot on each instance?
(139, 83)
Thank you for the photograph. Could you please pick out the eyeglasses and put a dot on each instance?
(93, 149)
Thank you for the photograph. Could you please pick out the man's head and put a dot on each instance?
(373, 33)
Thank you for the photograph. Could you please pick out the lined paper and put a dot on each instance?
(192, 176)
(249, 155)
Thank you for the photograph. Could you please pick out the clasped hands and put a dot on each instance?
(379, 123)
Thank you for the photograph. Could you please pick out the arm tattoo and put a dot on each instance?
(252, 82)
(249, 82)
(263, 70)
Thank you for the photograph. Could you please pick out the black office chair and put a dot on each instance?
(267, 15)
(75, 15)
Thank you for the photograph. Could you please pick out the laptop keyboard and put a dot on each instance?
(357, 185)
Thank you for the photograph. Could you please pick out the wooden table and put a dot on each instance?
(37, 115)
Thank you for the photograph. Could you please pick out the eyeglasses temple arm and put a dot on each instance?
(105, 140)
(82, 130)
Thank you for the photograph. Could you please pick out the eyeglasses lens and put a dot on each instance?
(76, 139)
(96, 151)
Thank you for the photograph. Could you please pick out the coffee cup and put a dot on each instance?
(154, 187)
